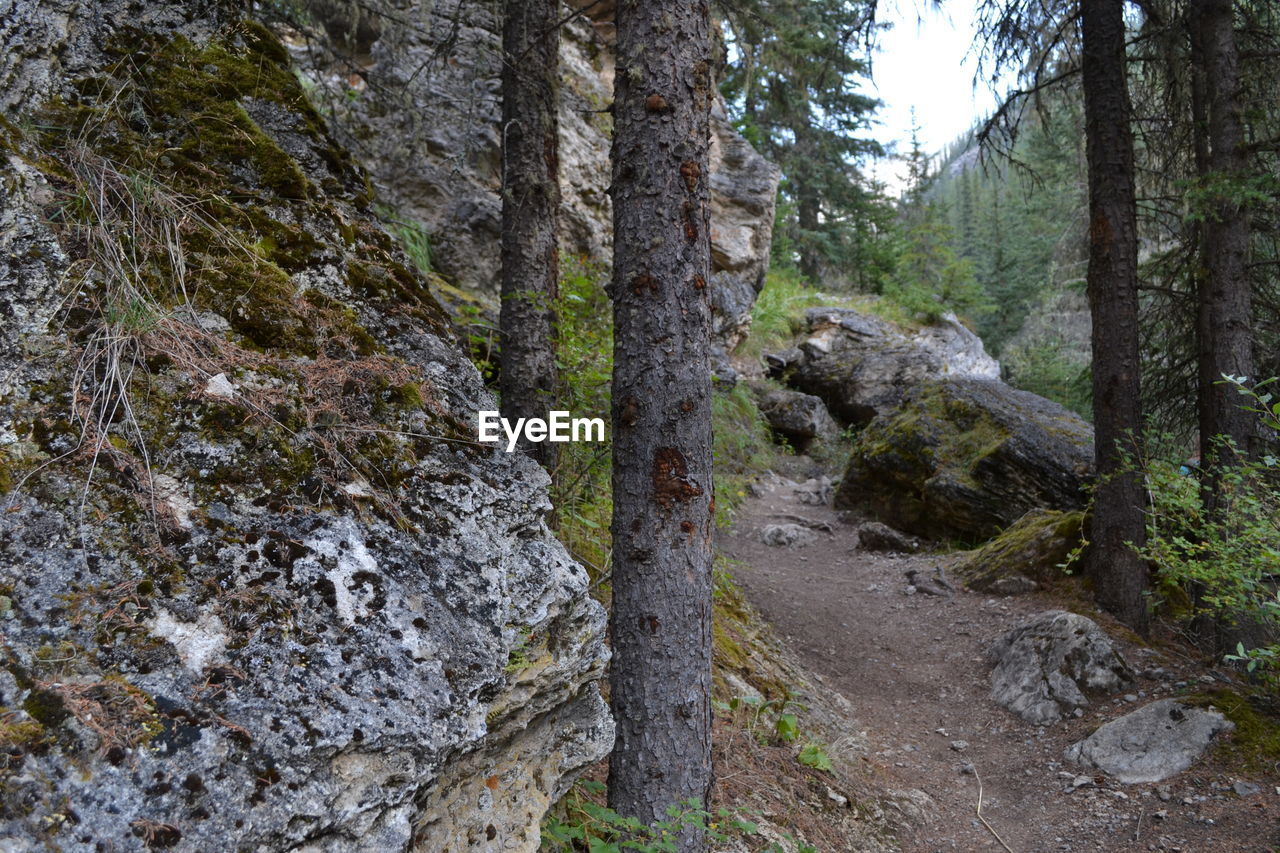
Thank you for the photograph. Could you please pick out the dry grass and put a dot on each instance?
(119, 714)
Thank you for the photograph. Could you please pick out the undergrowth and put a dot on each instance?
(581, 490)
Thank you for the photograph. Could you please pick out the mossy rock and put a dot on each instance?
(1256, 740)
(1028, 553)
(965, 459)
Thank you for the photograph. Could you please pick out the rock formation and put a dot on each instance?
(801, 419)
(1159, 740)
(967, 458)
(1045, 667)
(863, 366)
(1025, 555)
(258, 581)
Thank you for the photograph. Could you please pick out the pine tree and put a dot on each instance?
(1117, 524)
(662, 482)
(795, 85)
(530, 201)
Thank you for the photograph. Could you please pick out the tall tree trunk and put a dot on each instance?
(662, 487)
(530, 200)
(1119, 575)
(1224, 298)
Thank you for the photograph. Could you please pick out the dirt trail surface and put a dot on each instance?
(914, 668)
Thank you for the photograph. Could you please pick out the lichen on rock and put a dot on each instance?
(280, 607)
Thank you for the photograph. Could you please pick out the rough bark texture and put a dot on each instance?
(530, 199)
(1224, 299)
(662, 524)
(1119, 576)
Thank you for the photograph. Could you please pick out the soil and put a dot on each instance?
(914, 669)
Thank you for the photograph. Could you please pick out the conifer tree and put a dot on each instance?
(530, 201)
(662, 482)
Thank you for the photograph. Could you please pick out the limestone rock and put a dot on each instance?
(1025, 555)
(787, 535)
(1157, 741)
(800, 418)
(877, 536)
(210, 636)
(863, 366)
(1045, 667)
(968, 458)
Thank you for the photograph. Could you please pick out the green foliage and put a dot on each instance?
(1221, 563)
(1021, 221)
(579, 822)
(584, 357)
(930, 280)
(742, 447)
(776, 316)
(816, 757)
(1230, 555)
(1043, 368)
(794, 87)
(413, 237)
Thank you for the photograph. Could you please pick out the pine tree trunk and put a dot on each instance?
(1119, 575)
(1224, 298)
(530, 201)
(662, 487)
(808, 219)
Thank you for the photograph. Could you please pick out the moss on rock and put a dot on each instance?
(1031, 549)
(964, 459)
(1256, 740)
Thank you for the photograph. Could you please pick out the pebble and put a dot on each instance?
(1130, 697)
(1246, 789)
(959, 745)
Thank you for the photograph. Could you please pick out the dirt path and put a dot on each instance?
(914, 668)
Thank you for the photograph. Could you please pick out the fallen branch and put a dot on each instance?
(978, 812)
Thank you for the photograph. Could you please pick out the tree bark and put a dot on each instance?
(662, 482)
(1118, 574)
(1224, 300)
(530, 201)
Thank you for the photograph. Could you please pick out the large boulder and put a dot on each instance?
(968, 458)
(420, 104)
(863, 366)
(261, 589)
(1023, 556)
(799, 418)
(1044, 668)
(1157, 741)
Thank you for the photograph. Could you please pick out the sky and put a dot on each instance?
(926, 61)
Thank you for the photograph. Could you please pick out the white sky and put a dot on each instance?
(926, 61)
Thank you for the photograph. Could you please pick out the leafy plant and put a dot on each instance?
(816, 757)
(1222, 564)
(580, 823)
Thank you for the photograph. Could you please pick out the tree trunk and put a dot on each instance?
(1224, 298)
(530, 200)
(662, 487)
(1119, 575)
(808, 220)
